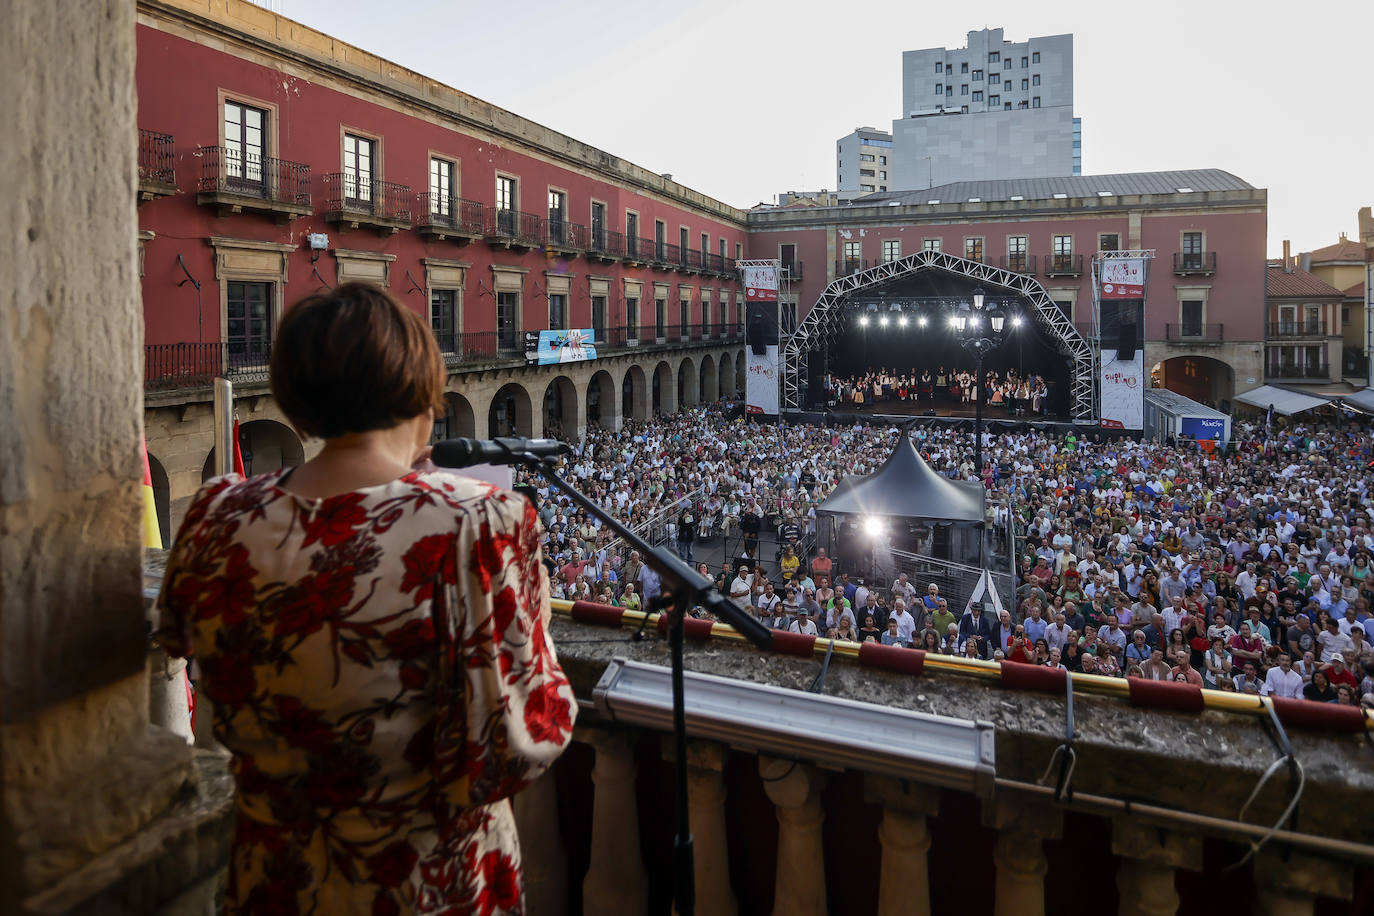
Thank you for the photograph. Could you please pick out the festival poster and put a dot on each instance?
(1123, 278)
(761, 284)
(761, 381)
(563, 347)
(1123, 391)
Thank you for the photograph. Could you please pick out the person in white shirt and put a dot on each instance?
(803, 624)
(906, 624)
(1057, 634)
(1282, 680)
(742, 586)
(1333, 641)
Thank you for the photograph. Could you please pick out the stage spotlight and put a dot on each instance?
(863, 321)
(883, 321)
(902, 321)
(873, 526)
(1016, 321)
(921, 321)
(953, 321)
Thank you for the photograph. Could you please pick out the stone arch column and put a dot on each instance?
(561, 409)
(267, 445)
(725, 384)
(604, 404)
(635, 396)
(459, 419)
(687, 395)
(707, 388)
(664, 390)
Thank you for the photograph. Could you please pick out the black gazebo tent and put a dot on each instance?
(921, 511)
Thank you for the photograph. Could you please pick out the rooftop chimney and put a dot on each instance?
(1287, 257)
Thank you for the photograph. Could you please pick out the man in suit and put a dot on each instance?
(976, 626)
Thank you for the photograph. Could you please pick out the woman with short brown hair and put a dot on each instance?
(371, 631)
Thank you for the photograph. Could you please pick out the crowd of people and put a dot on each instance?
(1020, 395)
(1242, 569)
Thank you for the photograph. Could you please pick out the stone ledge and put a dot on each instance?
(175, 864)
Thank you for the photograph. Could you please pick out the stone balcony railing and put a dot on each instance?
(1152, 811)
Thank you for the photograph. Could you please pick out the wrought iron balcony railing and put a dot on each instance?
(1019, 263)
(1194, 333)
(238, 179)
(446, 216)
(360, 200)
(1063, 265)
(605, 244)
(1298, 329)
(1317, 370)
(156, 164)
(513, 228)
(1195, 262)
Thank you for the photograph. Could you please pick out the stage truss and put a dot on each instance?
(824, 322)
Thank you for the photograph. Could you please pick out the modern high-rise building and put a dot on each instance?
(863, 161)
(991, 110)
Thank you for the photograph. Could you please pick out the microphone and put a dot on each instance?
(463, 453)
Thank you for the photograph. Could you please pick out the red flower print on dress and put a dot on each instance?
(547, 715)
(305, 607)
(336, 520)
(301, 726)
(413, 639)
(229, 679)
(502, 885)
(428, 559)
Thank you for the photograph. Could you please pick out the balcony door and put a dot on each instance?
(360, 155)
(245, 146)
(248, 323)
(507, 201)
(558, 214)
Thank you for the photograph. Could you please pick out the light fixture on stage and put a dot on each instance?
(873, 526)
(1016, 321)
(863, 321)
(901, 322)
(921, 321)
(883, 321)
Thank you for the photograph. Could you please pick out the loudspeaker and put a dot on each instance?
(1125, 344)
(756, 343)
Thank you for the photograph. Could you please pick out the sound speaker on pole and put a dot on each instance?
(756, 343)
(1125, 345)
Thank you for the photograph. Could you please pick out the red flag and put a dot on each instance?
(238, 453)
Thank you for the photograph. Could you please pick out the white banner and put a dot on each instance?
(1123, 278)
(761, 388)
(1123, 391)
(761, 284)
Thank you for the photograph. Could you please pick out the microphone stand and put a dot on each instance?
(683, 588)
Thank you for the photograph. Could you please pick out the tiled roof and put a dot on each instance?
(1344, 250)
(1355, 292)
(1071, 186)
(1283, 284)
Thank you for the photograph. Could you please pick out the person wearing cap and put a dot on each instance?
(741, 587)
(803, 623)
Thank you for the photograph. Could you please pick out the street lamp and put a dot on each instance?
(980, 327)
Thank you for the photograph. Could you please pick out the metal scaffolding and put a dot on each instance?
(825, 320)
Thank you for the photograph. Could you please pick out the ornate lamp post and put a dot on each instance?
(980, 330)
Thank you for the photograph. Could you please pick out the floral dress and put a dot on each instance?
(381, 672)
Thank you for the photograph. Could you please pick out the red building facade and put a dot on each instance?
(275, 162)
(1204, 299)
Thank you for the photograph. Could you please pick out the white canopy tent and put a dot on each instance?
(1283, 400)
(1360, 400)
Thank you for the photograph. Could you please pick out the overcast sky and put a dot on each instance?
(741, 100)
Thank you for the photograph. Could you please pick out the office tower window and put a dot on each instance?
(994, 56)
(1035, 57)
(1035, 79)
(1035, 102)
(977, 95)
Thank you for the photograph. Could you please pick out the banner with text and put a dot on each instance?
(761, 388)
(1123, 391)
(549, 347)
(1123, 279)
(761, 284)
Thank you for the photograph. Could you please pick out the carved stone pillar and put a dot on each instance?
(710, 845)
(542, 857)
(1149, 856)
(794, 789)
(616, 880)
(1289, 882)
(1022, 827)
(904, 881)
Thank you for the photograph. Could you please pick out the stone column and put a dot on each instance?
(543, 859)
(904, 880)
(794, 789)
(1149, 856)
(167, 705)
(710, 844)
(616, 880)
(1289, 882)
(1022, 827)
(80, 769)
